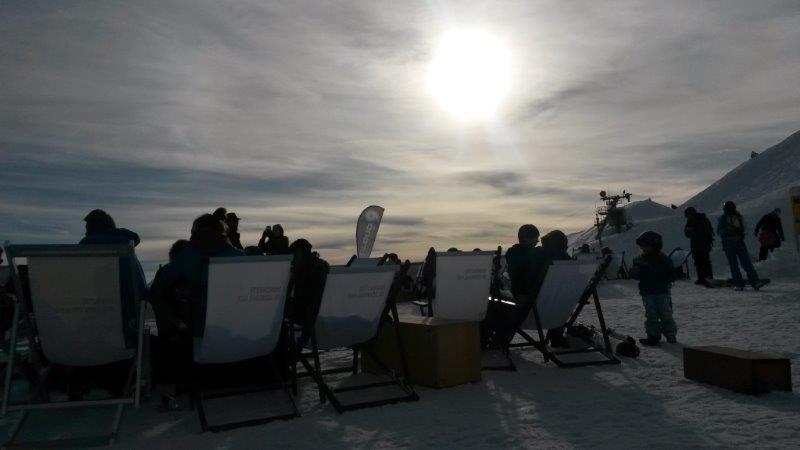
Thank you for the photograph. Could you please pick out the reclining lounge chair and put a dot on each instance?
(87, 311)
(565, 291)
(245, 298)
(355, 302)
(462, 285)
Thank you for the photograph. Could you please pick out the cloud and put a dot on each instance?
(303, 113)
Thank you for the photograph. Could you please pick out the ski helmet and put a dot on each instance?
(690, 211)
(650, 238)
(729, 207)
(528, 231)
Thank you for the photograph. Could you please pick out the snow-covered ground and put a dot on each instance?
(644, 402)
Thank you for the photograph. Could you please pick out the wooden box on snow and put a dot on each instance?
(738, 370)
(440, 353)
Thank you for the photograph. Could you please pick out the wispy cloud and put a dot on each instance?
(302, 113)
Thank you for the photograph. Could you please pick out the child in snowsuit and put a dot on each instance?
(655, 273)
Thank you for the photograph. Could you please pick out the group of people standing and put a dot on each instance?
(731, 231)
(656, 272)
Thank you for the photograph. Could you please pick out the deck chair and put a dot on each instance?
(564, 292)
(245, 298)
(87, 311)
(354, 303)
(355, 261)
(462, 286)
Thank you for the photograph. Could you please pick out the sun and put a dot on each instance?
(470, 73)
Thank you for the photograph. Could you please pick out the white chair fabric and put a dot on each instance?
(561, 289)
(463, 283)
(77, 305)
(244, 308)
(352, 304)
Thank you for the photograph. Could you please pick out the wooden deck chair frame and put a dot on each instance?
(426, 305)
(134, 374)
(315, 370)
(222, 388)
(544, 337)
(378, 261)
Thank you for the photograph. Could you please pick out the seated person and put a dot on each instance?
(309, 273)
(176, 290)
(186, 271)
(526, 265)
(278, 243)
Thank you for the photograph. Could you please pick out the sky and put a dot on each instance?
(303, 113)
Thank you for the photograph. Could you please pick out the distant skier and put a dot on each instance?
(769, 231)
(655, 273)
(731, 230)
(701, 239)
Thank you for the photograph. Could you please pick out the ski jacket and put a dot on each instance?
(770, 222)
(731, 227)
(278, 245)
(188, 270)
(700, 232)
(235, 240)
(654, 272)
(526, 268)
(112, 236)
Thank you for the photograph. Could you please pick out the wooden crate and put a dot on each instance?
(738, 370)
(440, 353)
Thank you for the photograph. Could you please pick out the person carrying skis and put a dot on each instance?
(769, 231)
(730, 228)
(701, 239)
(655, 273)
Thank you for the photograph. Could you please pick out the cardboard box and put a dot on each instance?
(440, 353)
(738, 370)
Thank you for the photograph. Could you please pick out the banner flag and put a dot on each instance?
(367, 230)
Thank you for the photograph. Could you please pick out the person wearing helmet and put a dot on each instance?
(655, 273)
(701, 239)
(731, 230)
(526, 264)
(769, 231)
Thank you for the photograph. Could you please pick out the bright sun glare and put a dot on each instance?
(470, 73)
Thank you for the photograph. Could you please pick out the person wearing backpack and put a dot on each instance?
(769, 231)
(731, 230)
(701, 239)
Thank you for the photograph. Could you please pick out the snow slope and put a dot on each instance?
(758, 186)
